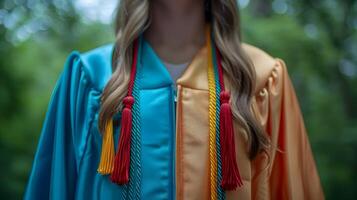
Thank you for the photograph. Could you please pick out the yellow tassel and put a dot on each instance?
(106, 164)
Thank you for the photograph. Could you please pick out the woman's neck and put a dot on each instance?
(177, 29)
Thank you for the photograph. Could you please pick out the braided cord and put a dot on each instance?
(220, 191)
(133, 188)
(135, 158)
(212, 121)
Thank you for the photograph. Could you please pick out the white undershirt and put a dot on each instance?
(175, 70)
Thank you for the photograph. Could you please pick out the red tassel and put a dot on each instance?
(231, 178)
(230, 174)
(120, 174)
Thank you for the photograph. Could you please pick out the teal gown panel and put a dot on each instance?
(68, 153)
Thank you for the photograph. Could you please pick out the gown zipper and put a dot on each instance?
(173, 144)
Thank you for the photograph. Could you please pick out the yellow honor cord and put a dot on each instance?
(212, 119)
(107, 156)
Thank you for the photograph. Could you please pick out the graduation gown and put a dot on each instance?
(174, 134)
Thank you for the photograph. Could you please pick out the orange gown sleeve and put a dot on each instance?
(287, 170)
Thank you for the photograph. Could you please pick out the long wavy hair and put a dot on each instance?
(133, 18)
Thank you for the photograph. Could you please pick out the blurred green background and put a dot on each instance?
(316, 38)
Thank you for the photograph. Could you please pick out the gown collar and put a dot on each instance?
(155, 75)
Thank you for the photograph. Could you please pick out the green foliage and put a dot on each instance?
(318, 43)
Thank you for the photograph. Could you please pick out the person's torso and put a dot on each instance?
(171, 137)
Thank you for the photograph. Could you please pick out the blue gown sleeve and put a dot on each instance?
(62, 140)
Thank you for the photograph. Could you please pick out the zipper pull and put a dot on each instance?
(175, 93)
